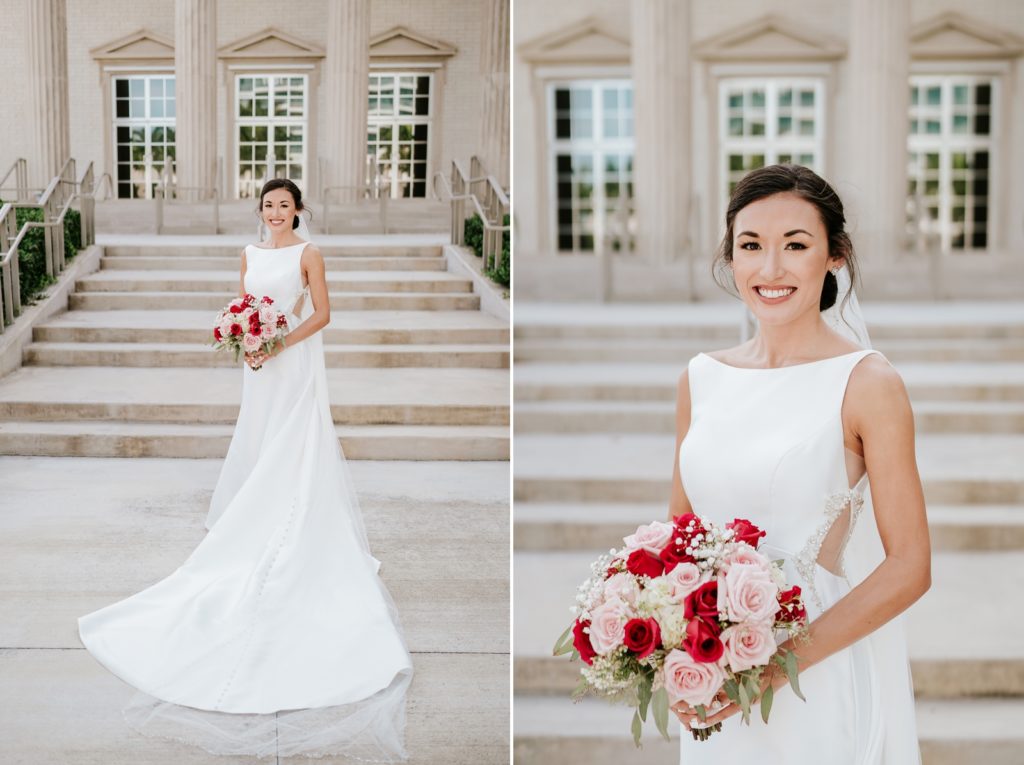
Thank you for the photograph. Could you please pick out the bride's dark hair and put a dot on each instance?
(808, 185)
(284, 183)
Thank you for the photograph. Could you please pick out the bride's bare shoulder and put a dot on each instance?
(876, 389)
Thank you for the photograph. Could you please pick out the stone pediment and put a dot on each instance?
(584, 42)
(770, 38)
(271, 43)
(142, 45)
(403, 44)
(951, 35)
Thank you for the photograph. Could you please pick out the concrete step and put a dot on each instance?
(646, 350)
(554, 731)
(78, 438)
(346, 327)
(659, 416)
(212, 396)
(925, 381)
(600, 525)
(955, 469)
(712, 321)
(235, 251)
(232, 263)
(214, 301)
(200, 355)
(944, 664)
(227, 282)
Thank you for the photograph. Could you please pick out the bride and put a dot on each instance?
(276, 636)
(785, 430)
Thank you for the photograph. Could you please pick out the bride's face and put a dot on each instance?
(278, 210)
(780, 257)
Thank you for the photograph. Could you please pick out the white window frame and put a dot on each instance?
(945, 143)
(146, 123)
(270, 121)
(771, 144)
(393, 121)
(598, 146)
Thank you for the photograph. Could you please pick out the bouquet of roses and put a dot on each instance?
(247, 326)
(684, 610)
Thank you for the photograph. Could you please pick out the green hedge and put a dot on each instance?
(473, 237)
(32, 250)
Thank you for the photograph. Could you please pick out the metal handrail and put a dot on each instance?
(375, 182)
(168, 182)
(492, 209)
(54, 202)
(20, 169)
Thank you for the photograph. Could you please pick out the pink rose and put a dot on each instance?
(684, 579)
(748, 645)
(251, 342)
(608, 625)
(267, 314)
(622, 586)
(747, 592)
(691, 681)
(652, 537)
(742, 553)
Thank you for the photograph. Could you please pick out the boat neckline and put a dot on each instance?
(286, 247)
(790, 366)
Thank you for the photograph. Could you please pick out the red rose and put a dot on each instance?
(581, 641)
(216, 334)
(248, 299)
(681, 522)
(702, 642)
(236, 329)
(792, 606)
(235, 309)
(703, 603)
(642, 636)
(640, 562)
(266, 299)
(745, 531)
(675, 554)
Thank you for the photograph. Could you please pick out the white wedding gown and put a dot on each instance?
(275, 636)
(767, 445)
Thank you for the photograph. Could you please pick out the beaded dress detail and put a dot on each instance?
(767, 445)
(276, 637)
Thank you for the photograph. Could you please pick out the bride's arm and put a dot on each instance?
(312, 263)
(882, 418)
(679, 503)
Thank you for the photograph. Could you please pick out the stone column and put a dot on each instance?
(195, 75)
(494, 118)
(48, 65)
(347, 80)
(878, 66)
(661, 103)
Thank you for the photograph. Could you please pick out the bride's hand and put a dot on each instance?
(717, 711)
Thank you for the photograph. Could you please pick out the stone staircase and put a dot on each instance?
(416, 371)
(594, 424)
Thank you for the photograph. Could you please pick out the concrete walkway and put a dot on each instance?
(77, 534)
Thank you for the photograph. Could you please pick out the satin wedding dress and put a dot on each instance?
(767, 445)
(276, 636)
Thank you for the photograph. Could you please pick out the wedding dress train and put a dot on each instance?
(275, 636)
(767, 445)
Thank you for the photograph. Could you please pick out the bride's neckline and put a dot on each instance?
(279, 248)
(789, 366)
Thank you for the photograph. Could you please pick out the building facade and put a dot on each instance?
(634, 120)
(326, 93)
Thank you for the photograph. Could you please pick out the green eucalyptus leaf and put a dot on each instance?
(791, 673)
(766, 703)
(644, 695)
(564, 644)
(660, 708)
(636, 728)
